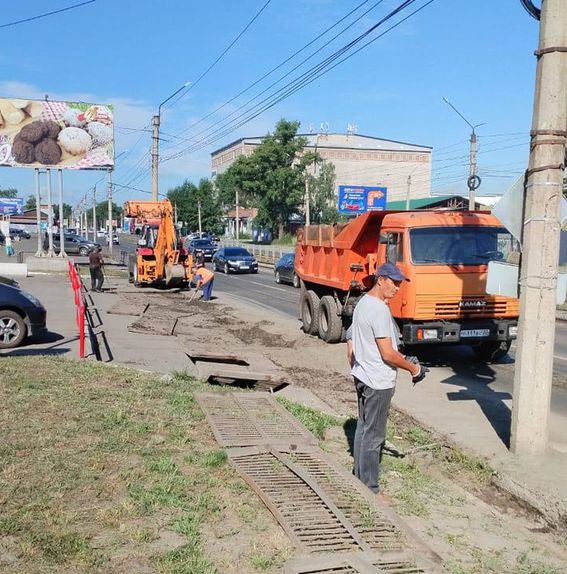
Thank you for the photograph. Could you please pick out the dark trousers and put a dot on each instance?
(97, 278)
(370, 436)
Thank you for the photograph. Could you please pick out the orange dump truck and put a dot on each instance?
(445, 255)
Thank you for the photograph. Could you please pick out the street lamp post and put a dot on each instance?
(155, 142)
(473, 182)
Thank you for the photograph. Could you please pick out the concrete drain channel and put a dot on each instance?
(338, 525)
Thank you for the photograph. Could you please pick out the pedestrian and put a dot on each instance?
(9, 246)
(375, 359)
(96, 263)
(204, 278)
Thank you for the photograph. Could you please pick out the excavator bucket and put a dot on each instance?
(174, 275)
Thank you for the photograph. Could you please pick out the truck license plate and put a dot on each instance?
(475, 333)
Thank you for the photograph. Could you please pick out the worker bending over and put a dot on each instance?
(204, 278)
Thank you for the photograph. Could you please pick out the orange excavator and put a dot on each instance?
(159, 258)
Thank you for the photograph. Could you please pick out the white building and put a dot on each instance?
(358, 160)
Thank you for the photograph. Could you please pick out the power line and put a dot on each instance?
(301, 81)
(240, 34)
(281, 64)
(46, 14)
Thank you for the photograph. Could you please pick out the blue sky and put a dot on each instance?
(135, 53)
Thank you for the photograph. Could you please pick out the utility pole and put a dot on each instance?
(199, 214)
(110, 229)
(175, 205)
(94, 214)
(155, 156)
(473, 181)
(538, 276)
(155, 142)
(237, 217)
(307, 201)
(408, 193)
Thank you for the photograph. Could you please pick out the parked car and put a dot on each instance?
(21, 315)
(74, 244)
(204, 246)
(18, 234)
(236, 259)
(284, 270)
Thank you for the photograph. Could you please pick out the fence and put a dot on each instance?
(263, 253)
(77, 284)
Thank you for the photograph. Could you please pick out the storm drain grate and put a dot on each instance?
(361, 563)
(376, 529)
(249, 419)
(312, 522)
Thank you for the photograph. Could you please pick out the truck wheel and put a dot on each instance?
(492, 350)
(330, 324)
(310, 312)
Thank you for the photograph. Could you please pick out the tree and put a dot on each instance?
(273, 177)
(9, 193)
(187, 197)
(30, 202)
(322, 204)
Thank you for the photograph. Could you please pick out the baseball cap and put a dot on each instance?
(391, 271)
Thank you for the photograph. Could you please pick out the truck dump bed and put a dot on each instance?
(334, 255)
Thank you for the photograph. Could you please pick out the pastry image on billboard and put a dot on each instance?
(62, 135)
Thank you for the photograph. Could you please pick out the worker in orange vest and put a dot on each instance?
(204, 278)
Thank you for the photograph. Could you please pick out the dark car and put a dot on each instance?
(235, 259)
(19, 234)
(204, 246)
(284, 270)
(74, 244)
(21, 314)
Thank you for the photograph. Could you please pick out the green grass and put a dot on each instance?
(314, 420)
(92, 452)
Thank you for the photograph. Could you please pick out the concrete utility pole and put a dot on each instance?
(175, 205)
(199, 214)
(237, 218)
(307, 202)
(538, 280)
(94, 215)
(473, 181)
(110, 228)
(155, 156)
(155, 142)
(408, 193)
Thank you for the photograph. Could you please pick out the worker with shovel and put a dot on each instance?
(204, 279)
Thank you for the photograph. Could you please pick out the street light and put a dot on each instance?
(473, 182)
(155, 142)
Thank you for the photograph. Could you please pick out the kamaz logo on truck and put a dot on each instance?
(472, 304)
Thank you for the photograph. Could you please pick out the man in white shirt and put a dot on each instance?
(375, 361)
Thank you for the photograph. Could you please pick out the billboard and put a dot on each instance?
(13, 206)
(61, 135)
(355, 199)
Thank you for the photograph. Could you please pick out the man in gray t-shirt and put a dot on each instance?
(375, 359)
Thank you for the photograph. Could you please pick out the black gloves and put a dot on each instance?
(422, 370)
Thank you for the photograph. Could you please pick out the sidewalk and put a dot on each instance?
(460, 399)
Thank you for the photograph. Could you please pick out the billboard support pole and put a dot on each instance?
(110, 230)
(39, 252)
(50, 252)
(94, 215)
(61, 233)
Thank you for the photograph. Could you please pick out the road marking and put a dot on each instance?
(262, 284)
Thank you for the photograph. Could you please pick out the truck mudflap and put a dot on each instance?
(465, 332)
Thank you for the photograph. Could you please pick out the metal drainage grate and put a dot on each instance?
(312, 521)
(248, 419)
(361, 563)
